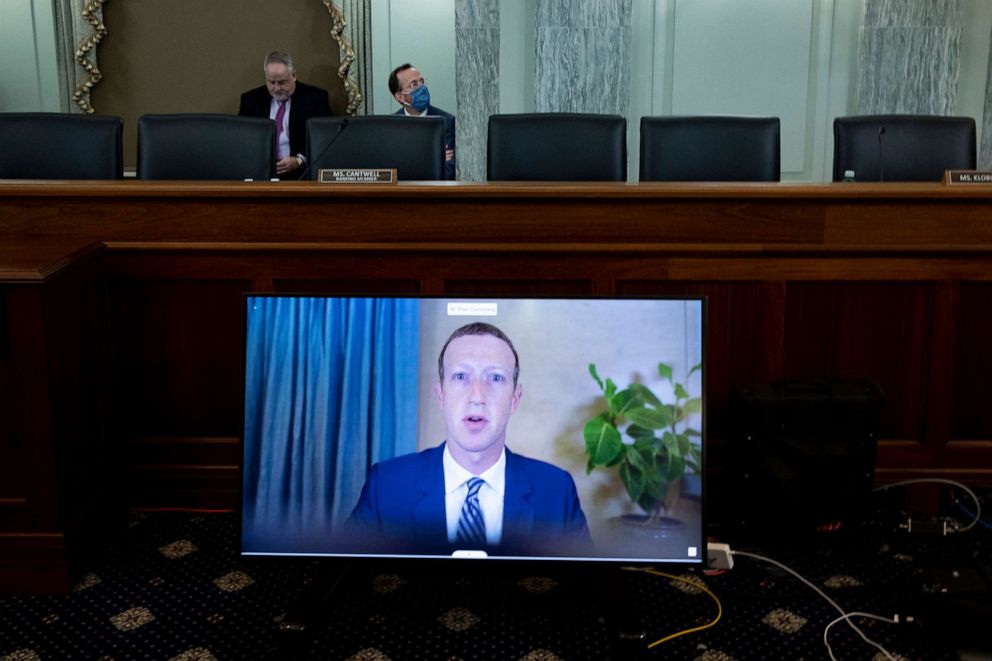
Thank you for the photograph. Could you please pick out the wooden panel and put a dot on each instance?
(27, 468)
(876, 330)
(177, 357)
(34, 563)
(972, 417)
(184, 472)
(357, 287)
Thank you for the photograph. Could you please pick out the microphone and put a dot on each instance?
(341, 127)
(881, 164)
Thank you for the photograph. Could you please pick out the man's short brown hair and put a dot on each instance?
(478, 328)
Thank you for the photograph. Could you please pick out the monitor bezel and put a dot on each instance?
(404, 559)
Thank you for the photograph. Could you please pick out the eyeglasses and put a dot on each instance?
(414, 84)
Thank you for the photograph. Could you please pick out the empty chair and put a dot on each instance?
(413, 146)
(710, 148)
(51, 145)
(557, 147)
(206, 146)
(903, 147)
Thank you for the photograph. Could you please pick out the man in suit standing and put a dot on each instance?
(471, 493)
(409, 88)
(290, 103)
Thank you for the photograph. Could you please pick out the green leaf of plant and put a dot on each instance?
(693, 432)
(592, 371)
(654, 488)
(640, 433)
(698, 367)
(658, 418)
(665, 371)
(645, 394)
(640, 459)
(694, 405)
(676, 467)
(602, 441)
(610, 389)
(621, 401)
(681, 392)
(684, 444)
(671, 444)
(633, 481)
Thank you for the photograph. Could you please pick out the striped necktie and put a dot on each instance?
(471, 525)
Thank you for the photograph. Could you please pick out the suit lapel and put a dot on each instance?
(518, 514)
(428, 509)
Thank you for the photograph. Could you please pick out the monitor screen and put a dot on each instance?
(488, 428)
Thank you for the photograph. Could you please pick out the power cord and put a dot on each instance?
(843, 615)
(940, 480)
(699, 585)
(847, 616)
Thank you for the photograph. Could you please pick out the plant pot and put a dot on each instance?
(637, 536)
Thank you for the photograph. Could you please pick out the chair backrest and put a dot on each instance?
(51, 145)
(912, 147)
(557, 147)
(206, 146)
(414, 146)
(716, 148)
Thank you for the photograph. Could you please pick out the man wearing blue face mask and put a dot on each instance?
(408, 87)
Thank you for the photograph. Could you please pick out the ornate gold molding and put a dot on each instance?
(81, 95)
(347, 56)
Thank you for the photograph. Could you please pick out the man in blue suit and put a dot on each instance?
(471, 493)
(408, 87)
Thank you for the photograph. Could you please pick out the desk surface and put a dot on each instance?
(45, 223)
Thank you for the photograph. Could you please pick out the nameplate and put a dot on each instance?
(967, 177)
(361, 176)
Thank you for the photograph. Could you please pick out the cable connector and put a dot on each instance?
(719, 556)
(929, 526)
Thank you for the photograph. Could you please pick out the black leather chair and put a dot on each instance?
(903, 147)
(206, 146)
(414, 146)
(557, 147)
(716, 148)
(51, 145)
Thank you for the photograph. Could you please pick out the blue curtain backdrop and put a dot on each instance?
(331, 388)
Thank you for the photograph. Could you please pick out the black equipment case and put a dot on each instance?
(802, 455)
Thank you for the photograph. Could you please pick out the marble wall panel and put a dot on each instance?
(476, 82)
(985, 149)
(909, 57)
(582, 57)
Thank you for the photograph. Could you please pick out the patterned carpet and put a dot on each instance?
(174, 587)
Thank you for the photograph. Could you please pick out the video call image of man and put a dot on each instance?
(471, 493)
(408, 87)
(290, 103)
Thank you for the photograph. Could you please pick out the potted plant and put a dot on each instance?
(649, 442)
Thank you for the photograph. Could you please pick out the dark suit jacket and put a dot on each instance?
(402, 508)
(308, 101)
(449, 136)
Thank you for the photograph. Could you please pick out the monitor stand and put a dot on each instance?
(605, 584)
(298, 626)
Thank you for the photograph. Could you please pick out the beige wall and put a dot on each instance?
(176, 56)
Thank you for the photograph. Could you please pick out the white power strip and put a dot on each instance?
(718, 556)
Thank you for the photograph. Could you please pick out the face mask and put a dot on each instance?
(420, 98)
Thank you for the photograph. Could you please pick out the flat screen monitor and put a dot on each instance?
(475, 428)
